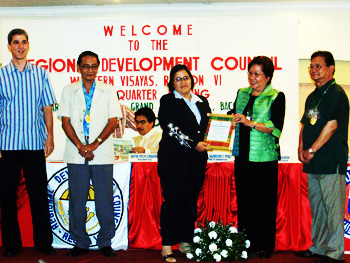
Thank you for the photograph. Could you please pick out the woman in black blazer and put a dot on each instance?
(182, 159)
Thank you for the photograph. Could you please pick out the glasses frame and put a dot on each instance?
(87, 67)
(316, 67)
(179, 79)
(256, 74)
(143, 122)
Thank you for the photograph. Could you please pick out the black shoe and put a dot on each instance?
(47, 251)
(306, 254)
(264, 254)
(77, 251)
(10, 254)
(108, 252)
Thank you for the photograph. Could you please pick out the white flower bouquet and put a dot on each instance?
(216, 242)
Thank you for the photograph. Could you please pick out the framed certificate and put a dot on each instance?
(219, 132)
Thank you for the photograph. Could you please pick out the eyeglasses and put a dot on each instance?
(178, 79)
(143, 122)
(317, 67)
(256, 74)
(87, 67)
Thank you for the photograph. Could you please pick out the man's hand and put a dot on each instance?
(86, 150)
(138, 149)
(307, 156)
(49, 146)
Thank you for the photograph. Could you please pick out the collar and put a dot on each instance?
(322, 89)
(268, 91)
(28, 67)
(148, 134)
(92, 88)
(194, 97)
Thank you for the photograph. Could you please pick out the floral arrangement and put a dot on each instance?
(182, 138)
(216, 242)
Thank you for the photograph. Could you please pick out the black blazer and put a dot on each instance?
(172, 153)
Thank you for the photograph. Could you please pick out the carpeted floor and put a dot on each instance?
(29, 255)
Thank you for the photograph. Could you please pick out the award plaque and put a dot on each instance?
(219, 132)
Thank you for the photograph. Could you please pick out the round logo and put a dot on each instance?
(58, 195)
(347, 205)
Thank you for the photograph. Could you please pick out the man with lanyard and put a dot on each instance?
(26, 138)
(323, 149)
(89, 111)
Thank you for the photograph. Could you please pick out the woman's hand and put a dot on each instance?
(203, 146)
(240, 118)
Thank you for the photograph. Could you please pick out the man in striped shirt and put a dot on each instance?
(26, 138)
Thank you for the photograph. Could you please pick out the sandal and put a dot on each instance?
(169, 258)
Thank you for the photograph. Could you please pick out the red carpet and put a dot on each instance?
(29, 255)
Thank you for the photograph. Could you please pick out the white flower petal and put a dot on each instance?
(212, 224)
(228, 242)
(232, 229)
(196, 239)
(189, 255)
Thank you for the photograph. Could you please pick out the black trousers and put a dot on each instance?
(256, 189)
(34, 170)
(181, 188)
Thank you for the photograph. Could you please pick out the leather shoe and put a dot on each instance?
(264, 254)
(10, 254)
(306, 254)
(108, 252)
(77, 251)
(329, 260)
(48, 251)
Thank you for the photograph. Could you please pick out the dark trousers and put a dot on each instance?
(181, 188)
(79, 176)
(34, 171)
(256, 188)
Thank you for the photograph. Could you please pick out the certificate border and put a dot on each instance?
(215, 145)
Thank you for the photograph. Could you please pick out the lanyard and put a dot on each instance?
(319, 101)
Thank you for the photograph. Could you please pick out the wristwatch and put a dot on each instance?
(311, 151)
(99, 140)
(255, 123)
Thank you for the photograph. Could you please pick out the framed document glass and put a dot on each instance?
(219, 132)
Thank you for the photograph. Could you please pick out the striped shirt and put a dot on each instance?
(22, 97)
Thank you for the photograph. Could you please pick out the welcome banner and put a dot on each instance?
(137, 53)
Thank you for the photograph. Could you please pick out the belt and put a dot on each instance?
(86, 138)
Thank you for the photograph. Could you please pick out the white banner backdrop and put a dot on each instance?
(58, 190)
(137, 54)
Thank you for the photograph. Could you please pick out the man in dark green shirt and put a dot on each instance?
(323, 149)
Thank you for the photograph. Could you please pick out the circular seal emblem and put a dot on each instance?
(347, 205)
(58, 195)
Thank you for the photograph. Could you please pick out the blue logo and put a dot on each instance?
(58, 195)
(347, 206)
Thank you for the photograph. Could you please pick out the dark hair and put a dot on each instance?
(328, 57)
(148, 113)
(16, 31)
(266, 66)
(173, 71)
(87, 54)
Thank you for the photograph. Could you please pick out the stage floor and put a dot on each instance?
(139, 256)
